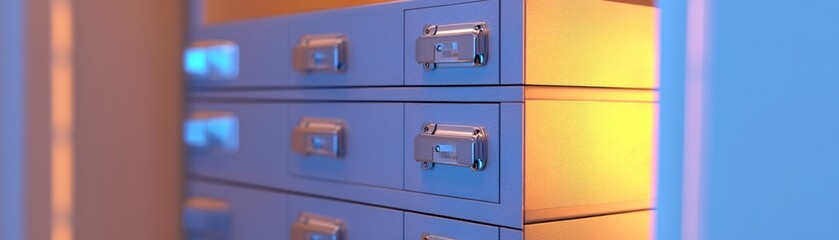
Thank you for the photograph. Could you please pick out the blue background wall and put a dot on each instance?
(770, 139)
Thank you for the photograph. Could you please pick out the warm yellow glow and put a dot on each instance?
(581, 153)
(217, 11)
(590, 43)
(589, 94)
(61, 112)
(635, 225)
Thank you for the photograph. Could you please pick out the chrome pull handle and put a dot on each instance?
(206, 218)
(428, 236)
(314, 136)
(211, 129)
(214, 61)
(453, 45)
(321, 53)
(455, 145)
(310, 226)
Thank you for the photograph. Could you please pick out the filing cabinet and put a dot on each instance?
(435, 119)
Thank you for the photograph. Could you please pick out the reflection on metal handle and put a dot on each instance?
(207, 219)
(453, 45)
(207, 130)
(319, 137)
(451, 145)
(214, 60)
(428, 236)
(310, 226)
(319, 53)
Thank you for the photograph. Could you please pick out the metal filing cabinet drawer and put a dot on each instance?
(214, 211)
(370, 50)
(261, 58)
(435, 228)
(242, 142)
(314, 218)
(369, 143)
(415, 25)
(447, 179)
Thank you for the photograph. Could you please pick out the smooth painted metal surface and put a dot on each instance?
(242, 213)
(453, 45)
(455, 145)
(343, 220)
(418, 225)
(263, 142)
(207, 218)
(321, 53)
(319, 136)
(633, 225)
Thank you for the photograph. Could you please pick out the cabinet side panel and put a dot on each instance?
(634, 225)
(580, 154)
(590, 43)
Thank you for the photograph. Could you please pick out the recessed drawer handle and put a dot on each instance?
(319, 137)
(310, 226)
(464, 146)
(428, 236)
(321, 53)
(453, 45)
(211, 129)
(206, 218)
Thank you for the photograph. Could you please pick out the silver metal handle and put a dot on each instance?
(212, 60)
(321, 53)
(319, 137)
(428, 236)
(310, 226)
(451, 145)
(453, 45)
(206, 218)
(206, 130)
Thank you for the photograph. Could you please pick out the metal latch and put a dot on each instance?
(310, 226)
(453, 45)
(428, 236)
(206, 218)
(451, 145)
(326, 52)
(209, 129)
(319, 137)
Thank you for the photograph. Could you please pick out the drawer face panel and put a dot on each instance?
(263, 56)
(417, 225)
(357, 221)
(415, 20)
(371, 145)
(223, 212)
(373, 48)
(453, 180)
(237, 141)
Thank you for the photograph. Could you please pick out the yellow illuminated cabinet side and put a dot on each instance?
(589, 118)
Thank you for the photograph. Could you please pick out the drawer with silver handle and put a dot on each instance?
(241, 142)
(222, 212)
(314, 218)
(355, 143)
(453, 45)
(424, 227)
(453, 150)
(347, 48)
(238, 54)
